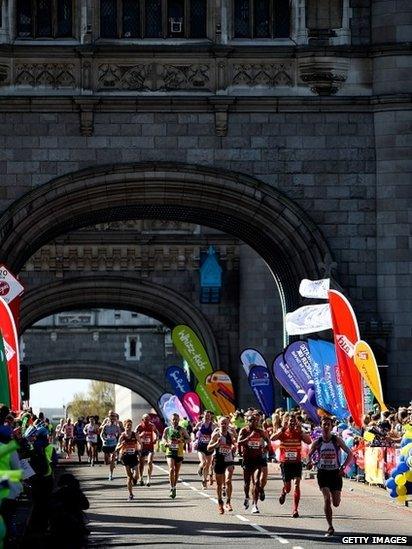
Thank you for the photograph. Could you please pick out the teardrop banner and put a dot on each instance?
(191, 403)
(8, 329)
(173, 406)
(298, 358)
(178, 380)
(220, 386)
(328, 387)
(284, 375)
(346, 335)
(251, 357)
(261, 383)
(366, 363)
(162, 401)
(4, 377)
(206, 399)
(191, 349)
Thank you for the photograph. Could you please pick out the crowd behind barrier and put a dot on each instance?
(30, 447)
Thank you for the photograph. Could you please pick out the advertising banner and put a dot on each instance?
(192, 350)
(8, 330)
(173, 406)
(191, 403)
(366, 363)
(375, 465)
(298, 358)
(4, 376)
(178, 380)
(260, 382)
(220, 387)
(251, 357)
(10, 287)
(308, 319)
(283, 373)
(328, 387)
(207, 401)
(346, 335)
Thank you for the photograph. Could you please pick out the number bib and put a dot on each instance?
(291, 456)
(204, 439)
(174, 446)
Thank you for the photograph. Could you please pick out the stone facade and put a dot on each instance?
(326, 121)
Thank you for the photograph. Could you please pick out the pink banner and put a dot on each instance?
(191, 402)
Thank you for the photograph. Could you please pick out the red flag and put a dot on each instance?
(346, 334)
(9, 332)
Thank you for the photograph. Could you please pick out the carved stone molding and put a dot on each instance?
(262, 74)
(4, 75)
(86, 108)
(53, 75)
(221, 107)
(124, 77)
(185, 77)
(324, 75)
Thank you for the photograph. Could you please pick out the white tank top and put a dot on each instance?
(328, 456)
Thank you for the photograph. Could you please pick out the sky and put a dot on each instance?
(53, 394)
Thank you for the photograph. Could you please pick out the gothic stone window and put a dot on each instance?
(261, 18)
(44, 18)
(153, 18)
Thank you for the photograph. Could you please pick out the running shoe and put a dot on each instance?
(229, 506)
(131, 497)
(246, 503)
(173, 493)
(282, 498)
(262, 494)
(295, 514)
(204, 484)
(220, 508)
(148, 483)
(141, 483)
(110, 477)
(255, 510)
(330, 532)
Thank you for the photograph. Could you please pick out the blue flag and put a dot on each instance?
(298, 358)
(328, 386)
(177, 378)
(261, 383)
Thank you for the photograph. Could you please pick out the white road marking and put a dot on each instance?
(257, 527)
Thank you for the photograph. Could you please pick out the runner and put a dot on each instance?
(330, 472)
(291, 438)
(128, 448)
(251, 443)
(79, 438)
(203, 432)
(59, 434)
(91, 430)
(68, 430)
(110, 432)
(148, 436)
(174, 438)
(223, 443)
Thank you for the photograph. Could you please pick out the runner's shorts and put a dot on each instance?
(108, 449)
(178, 459)
(330, 479)
(146, 452)
(202, 448)
(291, 470)
(130, 460)
(253, 464)
(221, 466)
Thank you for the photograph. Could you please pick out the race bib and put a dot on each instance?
(174, 446)
(254, 444)
(147, 440)
(92, 438)
(328, 460)
(130, 451)
(224, 450)
(205, 439)
(111, 440)
(292, 456)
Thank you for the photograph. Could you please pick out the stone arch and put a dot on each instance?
(114, 292)
(100, 371)
(280, 232)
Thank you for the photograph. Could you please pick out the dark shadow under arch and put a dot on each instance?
(100, 371)
(279, 231)
(131, 294)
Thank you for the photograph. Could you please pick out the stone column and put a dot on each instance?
(392, 81)
(4, 32)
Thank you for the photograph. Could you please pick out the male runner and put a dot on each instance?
(203, 431)
(79, 438)
(91, 430)
(128, 448)
(223, 443)
(68, 430)
(251, 443)
(291, 437)
(330, 472)
(148, 435)
(110, 432)
(174, 438)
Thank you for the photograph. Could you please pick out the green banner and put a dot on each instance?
(206, 399)
(4, 376)
(193, 352)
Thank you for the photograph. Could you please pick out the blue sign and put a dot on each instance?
(177, 378)
(211, 271)
(261, 383)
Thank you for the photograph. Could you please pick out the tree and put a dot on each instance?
(97, 402)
